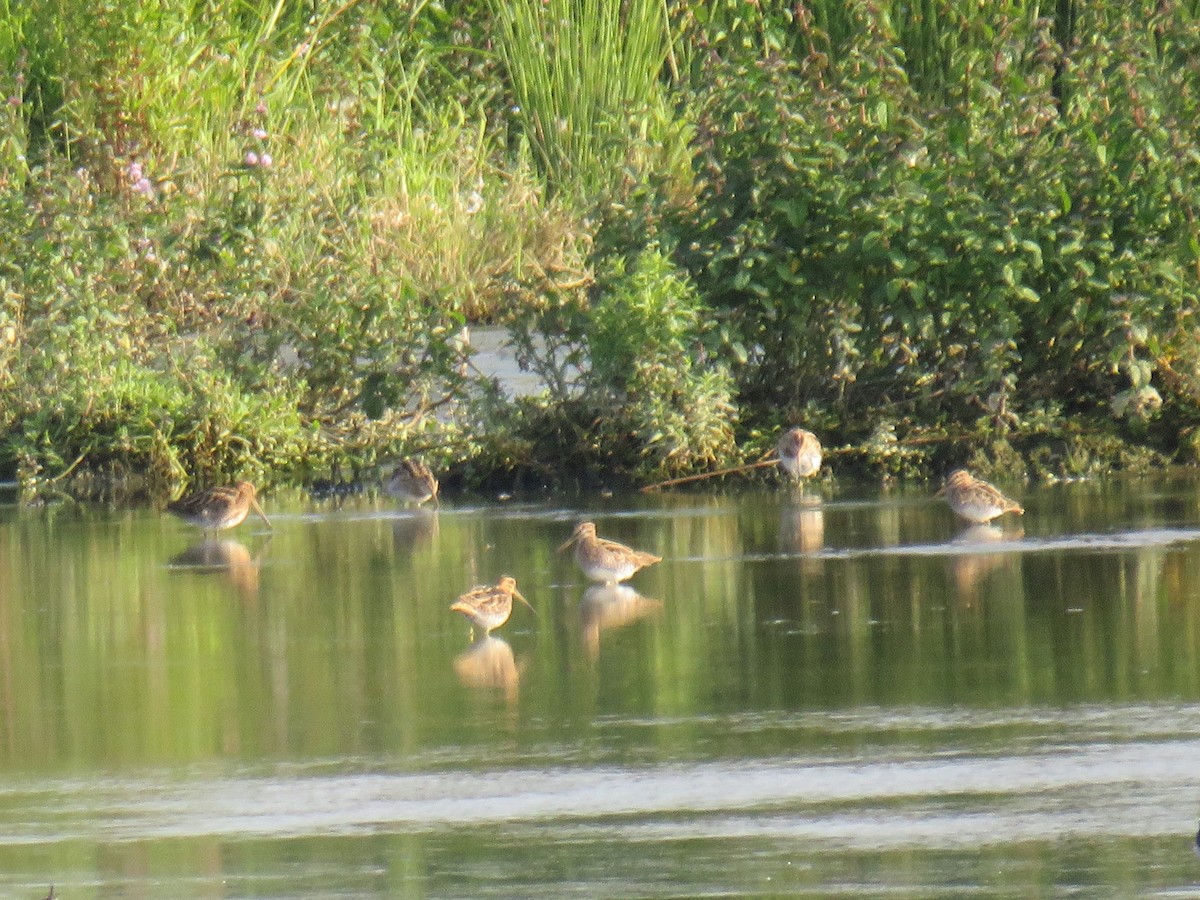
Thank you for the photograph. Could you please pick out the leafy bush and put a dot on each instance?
(651, 373)
(635, 386)
(978, 261)
(105, 377)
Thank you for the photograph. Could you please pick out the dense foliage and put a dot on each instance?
(250, 238)
(248, 243)
(998, 257)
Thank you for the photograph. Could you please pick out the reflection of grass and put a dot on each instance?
(347, 644)
(118, 676)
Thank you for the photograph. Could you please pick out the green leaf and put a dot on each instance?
(795, 211)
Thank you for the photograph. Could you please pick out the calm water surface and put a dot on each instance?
(831, 693)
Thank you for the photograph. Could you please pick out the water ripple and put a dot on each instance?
(1092, 783)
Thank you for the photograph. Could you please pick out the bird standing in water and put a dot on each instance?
(799, 453)
(605, 561)
(975, 500)
(412, 482)
(489, 607)
(218, 508)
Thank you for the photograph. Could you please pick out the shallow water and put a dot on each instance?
(833, 692)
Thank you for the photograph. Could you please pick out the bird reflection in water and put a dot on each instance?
(606, 607)
(489, 664)
(411, 530)
(227, 557)
(967, 568)
(802, 527)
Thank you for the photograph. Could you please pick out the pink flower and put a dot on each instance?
(251, 158)
(259, 134)
(265, 160)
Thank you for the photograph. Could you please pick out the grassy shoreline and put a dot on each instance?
(728, 219)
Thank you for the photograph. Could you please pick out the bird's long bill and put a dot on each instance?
(437, 500)
(262, 515)
(941, 490)
(517, 594)
(567, 543)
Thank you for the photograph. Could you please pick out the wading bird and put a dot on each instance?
(489, 607)
(605, 561)
(218, 508)
(412, 482)
(799, 453)
(975, 500)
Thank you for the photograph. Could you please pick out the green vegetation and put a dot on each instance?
(246, 238)
(992, 261)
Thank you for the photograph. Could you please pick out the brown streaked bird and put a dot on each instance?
(412, 482)
(218, 508)
(605, 561)
(799, 453)
(975, 500)
(489, 607)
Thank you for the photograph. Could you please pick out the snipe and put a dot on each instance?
(218, 508)
(605, 561)
(975, 500)
(488, 608)
(799, 453)
(412, 482)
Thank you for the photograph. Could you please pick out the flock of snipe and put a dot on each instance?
(601, 561)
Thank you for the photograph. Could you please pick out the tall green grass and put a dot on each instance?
(583, 74)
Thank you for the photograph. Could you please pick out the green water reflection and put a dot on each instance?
(300, 714)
